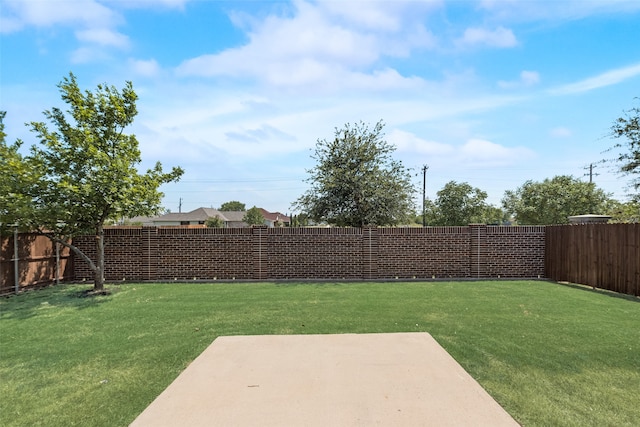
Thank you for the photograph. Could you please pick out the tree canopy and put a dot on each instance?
(461, 204)
(628, 156)
(254, 216)
(17, 174)
(214, 222)
(86, 170)
(552, 201)
(232, 206)
(356, 181)
(625, 212)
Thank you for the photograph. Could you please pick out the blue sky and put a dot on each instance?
(492, 92)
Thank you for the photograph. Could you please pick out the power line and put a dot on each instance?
(234, 190)
(232, 181)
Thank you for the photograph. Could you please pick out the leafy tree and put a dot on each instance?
(214, 222)
(554, 200)
(493, 215)
(460, 204)
(625, 212)
(629, 161)
(254, 217)
(430, 213)
(17, 173)
(356, 181)
(301, 220)
(88, 171)
(232, 206)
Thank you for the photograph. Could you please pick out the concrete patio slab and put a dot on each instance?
(403, 379)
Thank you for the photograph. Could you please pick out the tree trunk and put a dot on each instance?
(98, 284)
(73, 247)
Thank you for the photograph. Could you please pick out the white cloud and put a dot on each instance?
(93, 23)
(534, 10)
(475, 152)
(85, 55)
(487, 153)
(560, 132)
(372, 16)
(9, 24)
(172, 4)
(19, 14)
(608, 78)
(323, 46)
(103, 37)
(409, 142)
(264, 134)
(391, 16)
(527, 79)
(146, 68)
(307, 44)
(500, 37)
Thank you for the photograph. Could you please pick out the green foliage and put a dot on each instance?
(214, 222)
(232, 206)
(431, 215)
(85, 169)
(3, 134)
(356, 181)
(628, 158)
(624, 212)
(18, 174)
(254, 217)
(493, 215)
(554, 200)
(301, 220)
(461, 204)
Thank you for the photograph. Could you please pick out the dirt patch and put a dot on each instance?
(89, 293)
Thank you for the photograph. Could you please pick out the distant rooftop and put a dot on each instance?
(588, 219)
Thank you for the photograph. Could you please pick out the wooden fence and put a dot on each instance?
(606, 256)
(38, 260)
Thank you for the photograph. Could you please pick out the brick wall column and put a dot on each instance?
(260, 253)
(478, 245)
(150, 253)
(369, 253)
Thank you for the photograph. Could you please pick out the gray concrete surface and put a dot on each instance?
(403, 379)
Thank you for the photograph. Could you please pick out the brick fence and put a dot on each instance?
(161, 254)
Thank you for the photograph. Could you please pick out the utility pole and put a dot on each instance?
(424, 194)
(180, 206)
(591, 174)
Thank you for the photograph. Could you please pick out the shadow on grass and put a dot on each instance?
(29, 303)
(599, 291)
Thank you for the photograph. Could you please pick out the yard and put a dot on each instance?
(550, 354)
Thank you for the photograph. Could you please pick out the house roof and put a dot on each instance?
(144, 220)
(200, 214)
(274, 216)
(233, 216)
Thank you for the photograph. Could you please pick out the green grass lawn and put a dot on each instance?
(551, 355)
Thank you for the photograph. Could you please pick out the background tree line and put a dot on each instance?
(252, 216)
(550, 201)
(356, 181)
